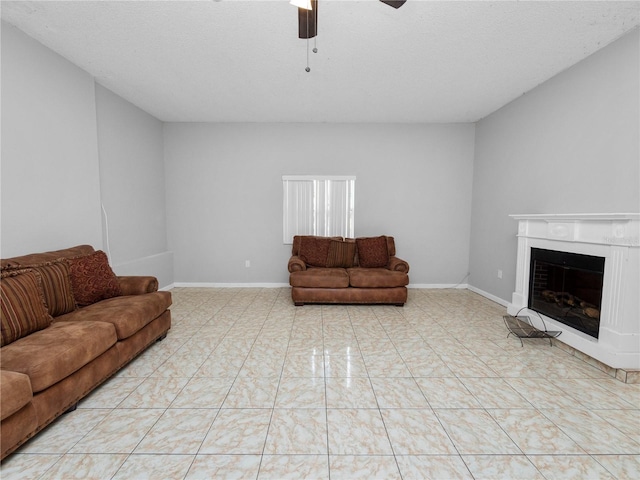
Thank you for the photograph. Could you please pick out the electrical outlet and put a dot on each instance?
(247, 263)
(499, 273)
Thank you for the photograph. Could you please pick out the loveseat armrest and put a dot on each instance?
(296, 264)
(137, 285)
(398, 265)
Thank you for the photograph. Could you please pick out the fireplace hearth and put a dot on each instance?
(567, 287)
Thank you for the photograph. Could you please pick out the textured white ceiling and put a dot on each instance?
(242, 61)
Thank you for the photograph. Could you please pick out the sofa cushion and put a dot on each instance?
(15, 391)
(23, 309)
(376, 278)
(341, 254)
(128, 314)
(372, 251)
(92, 278)
(320, 278)
(49, 355)
(314, 250)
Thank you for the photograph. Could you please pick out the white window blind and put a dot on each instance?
(318, 205)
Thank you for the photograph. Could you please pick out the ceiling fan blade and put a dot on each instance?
(308, 21)
(394, 3)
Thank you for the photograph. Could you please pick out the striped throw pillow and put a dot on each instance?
(23, 308)
(341, 254)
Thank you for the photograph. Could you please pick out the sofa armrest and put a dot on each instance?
(137, 285)
(398, 265)
(296, 264)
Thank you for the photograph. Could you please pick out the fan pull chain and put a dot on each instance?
(307, 69)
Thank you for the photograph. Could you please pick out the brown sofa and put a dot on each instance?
(55, 352)
(364, 270)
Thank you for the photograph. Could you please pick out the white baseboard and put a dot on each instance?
(488, 295)
(228, 285)
(461, 286)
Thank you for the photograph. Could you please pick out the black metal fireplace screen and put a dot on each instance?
(567, 287)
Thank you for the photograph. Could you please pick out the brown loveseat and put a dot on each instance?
(68, 324)
(337, 270)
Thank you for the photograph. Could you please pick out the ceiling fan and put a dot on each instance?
(308, 15)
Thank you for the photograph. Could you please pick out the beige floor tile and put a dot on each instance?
(303, 366)
(203, 392)
(119, 432)
(386, 365)
(65, 432)
(398, 393)
(366, 467)
(447, 393)
(111, 393)
(344, 366)
(627, 421)
(501, 467)
(570, 467)
(294, 467)
(474, 432)
(178, 431)
(593, 434)
(239, 431)
(96, 466)
(534, 433)
(495, 393)
(297, 431)
(301, 393)
(249, 392)
(435, 467)
(357, 432)
(160, 467)
(622, 466)
(416, 431)
(27, 466)
(355, 392)
(155, 392)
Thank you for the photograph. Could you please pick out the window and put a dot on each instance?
(318, 205)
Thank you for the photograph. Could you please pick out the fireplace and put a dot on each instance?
(567, 287)
(581, 273)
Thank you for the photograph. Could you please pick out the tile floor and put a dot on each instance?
(248, 386)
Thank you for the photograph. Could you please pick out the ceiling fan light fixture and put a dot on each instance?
(304, 4)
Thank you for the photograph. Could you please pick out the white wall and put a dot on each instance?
(224, 194)
(132, 186)
(569, 146)
(50, 178)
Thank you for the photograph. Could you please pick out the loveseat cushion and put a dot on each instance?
(92, 278)
(23, 309)
(15, 391)
(320, 278)
(376, 278)
(49, 355)
(128, 314)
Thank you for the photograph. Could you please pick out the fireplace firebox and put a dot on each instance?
(567, 287)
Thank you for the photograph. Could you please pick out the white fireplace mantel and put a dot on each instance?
(616, 238)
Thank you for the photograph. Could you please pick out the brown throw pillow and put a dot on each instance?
(22, 307)
(314, 250)
(373, 252)
(56, 286)
(341, 254)
(92, 279)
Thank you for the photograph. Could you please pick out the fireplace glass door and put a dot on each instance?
(567, 287)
